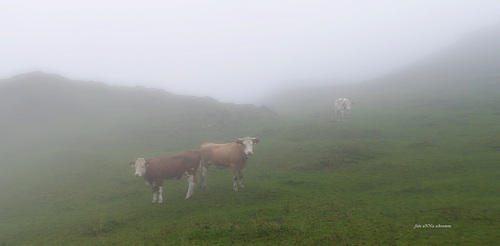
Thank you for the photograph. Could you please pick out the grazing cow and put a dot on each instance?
(342, 109)
(157, 169)
(233, 155)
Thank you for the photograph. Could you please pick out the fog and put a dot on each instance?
(233, 51)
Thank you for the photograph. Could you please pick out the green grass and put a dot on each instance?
(311, 181)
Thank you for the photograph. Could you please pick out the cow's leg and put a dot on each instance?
(240, 173)
(190, 186)
(160, 196)
(155, 190)
(203, 178)
(235, 179)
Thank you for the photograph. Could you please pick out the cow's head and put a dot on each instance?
(349, 104)
(248, 142)
(140, 167)
(347, 108)
(345, 105)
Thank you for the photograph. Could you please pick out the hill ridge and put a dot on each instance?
(61, 110)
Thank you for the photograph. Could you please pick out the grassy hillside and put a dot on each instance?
(310, 182)
(64, 141)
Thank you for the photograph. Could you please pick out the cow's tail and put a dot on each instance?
(200, 167)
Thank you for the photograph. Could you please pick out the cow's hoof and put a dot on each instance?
(235, 189)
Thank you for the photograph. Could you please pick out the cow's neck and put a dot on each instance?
(242, 151)
(147, 177)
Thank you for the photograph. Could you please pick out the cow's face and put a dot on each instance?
(344, 105)
(248, 142)
(347, 108)
(140, 167)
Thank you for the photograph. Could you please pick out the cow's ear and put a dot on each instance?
(147, 164)
(255, 141)
(132, 164)
(239, 142)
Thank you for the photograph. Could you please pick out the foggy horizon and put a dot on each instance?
(232, 51)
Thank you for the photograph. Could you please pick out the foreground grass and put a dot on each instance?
(386, 178)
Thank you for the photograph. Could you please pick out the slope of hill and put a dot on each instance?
(469, 68)
(38, 108)
(470, 65)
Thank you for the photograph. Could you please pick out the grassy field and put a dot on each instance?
(412, 174)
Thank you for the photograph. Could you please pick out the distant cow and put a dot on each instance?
(233, 155)
(342, 108)
(157, 169)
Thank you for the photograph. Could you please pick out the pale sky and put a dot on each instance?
(234, 50)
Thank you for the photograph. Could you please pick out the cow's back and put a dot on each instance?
(222, 154)
(174, 166)
(339, 104)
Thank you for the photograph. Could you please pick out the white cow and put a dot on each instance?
(342, 109)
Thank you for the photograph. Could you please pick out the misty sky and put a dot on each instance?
(230, 50)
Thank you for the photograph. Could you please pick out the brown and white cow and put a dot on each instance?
(157, 169)
(233, 155)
